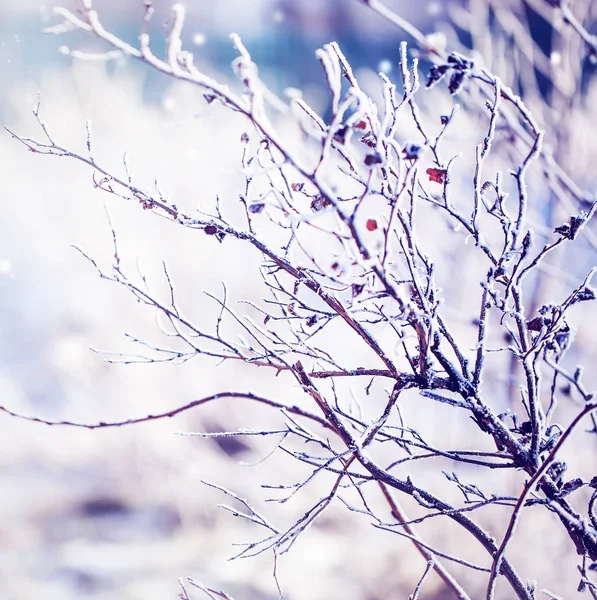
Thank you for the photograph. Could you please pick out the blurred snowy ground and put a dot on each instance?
(122, 513)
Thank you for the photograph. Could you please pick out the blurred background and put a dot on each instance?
(122, 513)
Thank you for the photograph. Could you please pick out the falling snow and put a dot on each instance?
(199, 39)
(6, 268)
(385, 66)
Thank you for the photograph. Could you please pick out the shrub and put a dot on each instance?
(405, 245)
